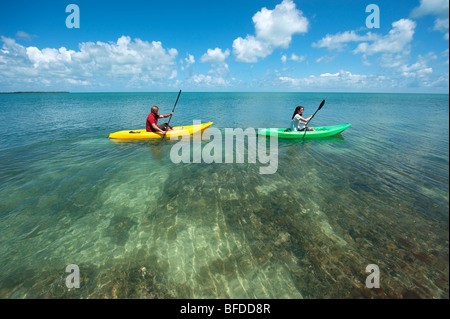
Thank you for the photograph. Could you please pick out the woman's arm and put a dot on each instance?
(307, 119)
(304, 120)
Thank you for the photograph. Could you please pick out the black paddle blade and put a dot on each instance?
(176, 101)
(321, 104)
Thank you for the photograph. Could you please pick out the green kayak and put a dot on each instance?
(320, 131)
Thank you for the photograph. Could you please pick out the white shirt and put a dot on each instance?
(295, 124)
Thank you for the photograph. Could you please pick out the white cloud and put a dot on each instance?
(250, 49)
(431, 7)
(420, 69)
(419, 73)
(438, 8)
(339, 40)
(293, 57)
(218, 75)
(393, 50)
(24, 35)
(339, 80)
(273, 29)
(190, 60)
(348, 81)
(398, 75)
(277, 26)
(390, 60)
(49, 58)
(297, 58)
(442, 26)
(397, 40)
(325, 59)
(215, 56)
(428, 71)
(125, 61)
(215, 77)
(445, 55)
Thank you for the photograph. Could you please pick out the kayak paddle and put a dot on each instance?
(172, 114)
(306, 125)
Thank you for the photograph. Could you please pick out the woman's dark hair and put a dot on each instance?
(297, 109)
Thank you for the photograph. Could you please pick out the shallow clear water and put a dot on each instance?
(140, 226)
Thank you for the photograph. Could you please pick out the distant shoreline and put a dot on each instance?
(28, 92)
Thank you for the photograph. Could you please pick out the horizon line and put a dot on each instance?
(325, 92)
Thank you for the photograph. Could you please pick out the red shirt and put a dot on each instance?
(152, 118)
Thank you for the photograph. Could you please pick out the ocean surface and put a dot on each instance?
(140, 226)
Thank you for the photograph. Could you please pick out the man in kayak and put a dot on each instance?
(298, 122)
(152, 121)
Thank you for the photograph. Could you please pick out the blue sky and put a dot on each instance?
(234, 45)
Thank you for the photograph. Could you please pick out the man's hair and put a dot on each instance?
(154, 108)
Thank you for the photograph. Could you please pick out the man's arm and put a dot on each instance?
(156, 128)
(164, 116)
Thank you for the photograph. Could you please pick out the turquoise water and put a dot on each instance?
(140, 226)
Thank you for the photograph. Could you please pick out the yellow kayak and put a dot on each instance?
(144, 135)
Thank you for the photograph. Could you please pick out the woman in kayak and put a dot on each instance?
(152, 121)
(298, 122)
